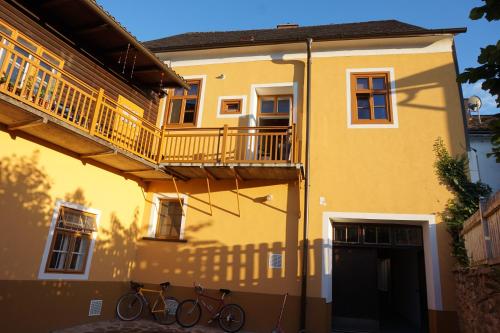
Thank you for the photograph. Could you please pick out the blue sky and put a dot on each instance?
(151, 19)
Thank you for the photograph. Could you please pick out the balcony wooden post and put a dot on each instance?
(293, 147)
(162, 144)
(97, 110)
(224, 140)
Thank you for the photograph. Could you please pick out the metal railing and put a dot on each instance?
(31, 79)
(264, 144)
(481, 233)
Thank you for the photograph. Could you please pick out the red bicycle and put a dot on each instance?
(231, 317)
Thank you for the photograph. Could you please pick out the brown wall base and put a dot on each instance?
(43, 306)
(443, 322)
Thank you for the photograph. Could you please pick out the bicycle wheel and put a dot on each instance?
(188, 313)
(129, 307)
(164, 311)
(231, 318)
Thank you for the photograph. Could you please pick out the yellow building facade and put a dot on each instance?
(169, 204)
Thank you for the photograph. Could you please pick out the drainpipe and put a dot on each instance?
(305, 248)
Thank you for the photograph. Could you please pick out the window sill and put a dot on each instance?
(165, 240)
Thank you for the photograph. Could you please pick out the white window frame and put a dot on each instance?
(42, 275)
(394, 105)
(155, 206)
(236, 115)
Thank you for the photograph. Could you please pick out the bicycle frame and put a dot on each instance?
(152, 291)
(214, 311)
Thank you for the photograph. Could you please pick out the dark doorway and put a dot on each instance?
(378, 279)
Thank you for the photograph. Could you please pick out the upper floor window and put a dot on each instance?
(231, 106)
(183, 105)
(371, 98)
(277, 105)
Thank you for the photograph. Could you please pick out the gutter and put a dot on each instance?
(305, 240)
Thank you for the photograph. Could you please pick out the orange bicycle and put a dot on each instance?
(130, 305)
(231, 317)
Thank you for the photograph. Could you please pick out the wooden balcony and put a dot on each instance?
(222, 153)
(59, 108)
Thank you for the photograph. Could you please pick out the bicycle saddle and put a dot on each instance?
(165, 284)
(135, 285)
(225, 291)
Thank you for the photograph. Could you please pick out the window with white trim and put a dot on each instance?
(68, 250)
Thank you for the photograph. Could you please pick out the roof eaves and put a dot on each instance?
(453, 31)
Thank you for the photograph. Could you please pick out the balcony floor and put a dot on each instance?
(244, 171)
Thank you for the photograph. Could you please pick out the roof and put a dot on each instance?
(90, 28)
(361, 30)
(483, 127)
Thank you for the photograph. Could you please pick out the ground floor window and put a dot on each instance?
(168, 217)
(70, 242)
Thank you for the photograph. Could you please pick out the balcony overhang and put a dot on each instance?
(242, 171)
(19, 118)
(90, 28)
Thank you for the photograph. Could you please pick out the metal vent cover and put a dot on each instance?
(95, 307)
(275, 260)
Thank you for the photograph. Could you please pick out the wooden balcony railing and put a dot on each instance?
(273, 144)
(30, 79)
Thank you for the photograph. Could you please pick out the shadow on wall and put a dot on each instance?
(25, 209)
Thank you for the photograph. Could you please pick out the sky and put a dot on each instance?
(152, 19)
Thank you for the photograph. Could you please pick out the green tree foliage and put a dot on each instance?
(453, 173)
(489, 69)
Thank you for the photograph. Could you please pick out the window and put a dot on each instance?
(231, 106)
(346, 234)
(71, 242)
(183, 105)
(371, 98)
(169, 222)
(275, 106)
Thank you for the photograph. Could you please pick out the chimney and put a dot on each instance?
(287, 26)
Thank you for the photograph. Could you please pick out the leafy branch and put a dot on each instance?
(453, 173)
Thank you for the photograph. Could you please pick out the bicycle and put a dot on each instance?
(231, 317)
(131, 305)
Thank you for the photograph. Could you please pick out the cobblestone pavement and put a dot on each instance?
(138, 326)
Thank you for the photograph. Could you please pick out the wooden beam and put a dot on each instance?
(236, 173)
(238, 195)
(27, 124)
(141, 170)
(209, 197)
(146, 69)
(92, 29)
(178, 196)
(209, 173)
(174, 173)
(52, 3)
(104, 153)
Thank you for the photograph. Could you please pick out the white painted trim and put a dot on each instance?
(59, 276)
(394, 105)
(238, 115)
(440, 46)
(429, 234)
(163, 110)
(203, 79)
(153, 217)
(252, 119)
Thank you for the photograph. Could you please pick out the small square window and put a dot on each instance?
(231, 106)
